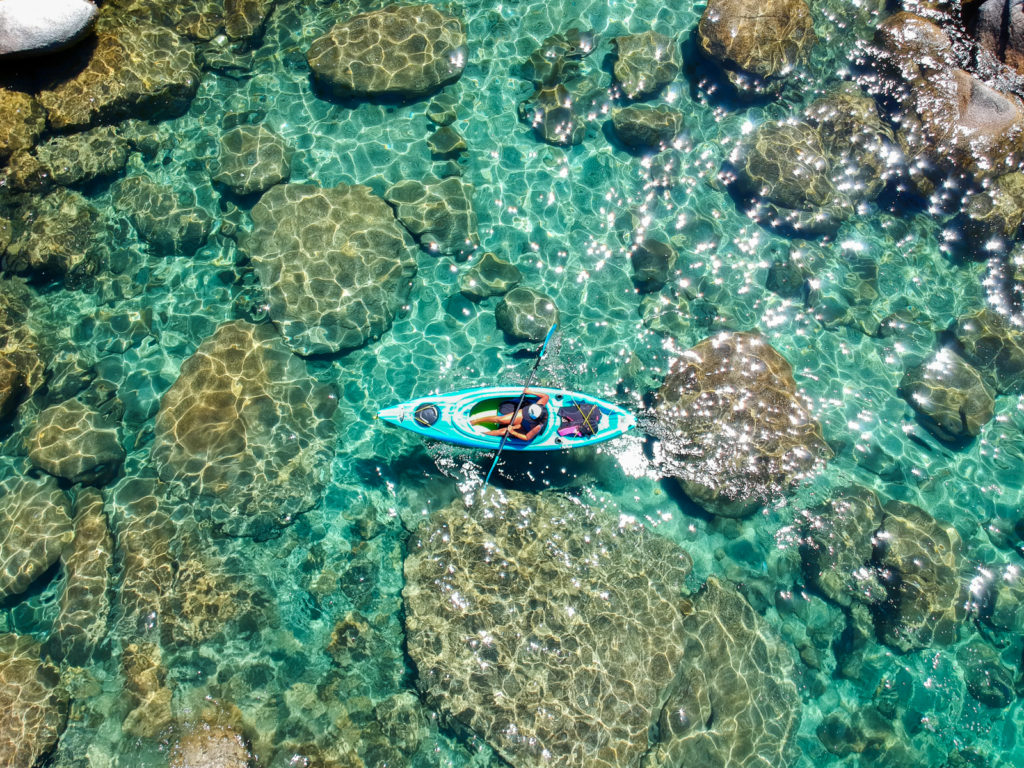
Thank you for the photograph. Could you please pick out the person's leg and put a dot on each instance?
(495, 418)
(497, 432)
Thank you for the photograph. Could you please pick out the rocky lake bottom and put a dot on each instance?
(783, 233)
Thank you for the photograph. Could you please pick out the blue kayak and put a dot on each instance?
(571, 419)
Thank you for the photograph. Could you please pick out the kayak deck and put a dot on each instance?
(572, 419)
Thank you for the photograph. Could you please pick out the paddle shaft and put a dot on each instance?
(519, 405)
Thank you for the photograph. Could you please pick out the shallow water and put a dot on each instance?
(566, 217)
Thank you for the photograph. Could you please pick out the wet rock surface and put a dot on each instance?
(752, 37)
(170, 222)
(252, 159)
(646, 63)
(403, 50)
(36, 27)
(488, 276)
(137, 70)
(33, 707)
(68, 160)
(647, 127)
(526, 314)
(245, 430)
(950, 396)
(76, 442)
(729, 385)
(438, 213)
(334, 262)
(36, 529)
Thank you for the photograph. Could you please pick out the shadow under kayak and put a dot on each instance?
(573, 419)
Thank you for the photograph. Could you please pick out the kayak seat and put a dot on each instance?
(579, 420)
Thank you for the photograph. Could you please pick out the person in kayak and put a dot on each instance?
(524, 424)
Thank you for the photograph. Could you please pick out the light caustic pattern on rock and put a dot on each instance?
(33, 707)
(335, 264)
(35, 528)
(247, 430)
(735, 430)
(562, 636)
(76, 442)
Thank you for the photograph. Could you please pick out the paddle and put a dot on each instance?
(519, 405)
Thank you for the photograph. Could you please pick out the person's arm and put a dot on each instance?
(514, 432)
(542, 397)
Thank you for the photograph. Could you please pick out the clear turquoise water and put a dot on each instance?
(564, 217)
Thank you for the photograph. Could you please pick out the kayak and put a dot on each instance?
(572, 419)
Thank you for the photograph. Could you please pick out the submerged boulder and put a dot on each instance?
(759, 38)
(948, 117)
(438, 213)
(994, 347)
(545, 600)
(949, 395)
(335, 264)
(921, 557)
(21, 367)
(57, 235)
(36, 27)
(35, 528)
(245, 431)
(33, 704)
(76, 442)
(67, 160)
(137, 70)
(84, 602)
(646, 63)
(406, 50)
(488, 276)
(558, 57)
(653, 262)
(168, 220)
(737, 434)
(553, 113)
(647, 127)
(526, 314)
(252, 159)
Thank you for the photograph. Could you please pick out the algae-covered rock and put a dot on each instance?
(647, 127)
(488, 276)
(407, 50)
(246, 431)
(949, 395)
(764, 38)
(736, 432)
(237, 20)
(56, 235)
(210, 745)
(81, 624)
(76, 442)
(438, 213)
(22, 119)
(145, 690)
(446, 143)
(575, 618)
(986, 678)
(168, 220)
(994, 214)
(252, 159)
(137, 70)
(33, 705)
(927, 598)
(35, 528)
(552, 112)
(994, 347)
(526, 314)
(67, 160)
(335, 264)
(646, 63)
